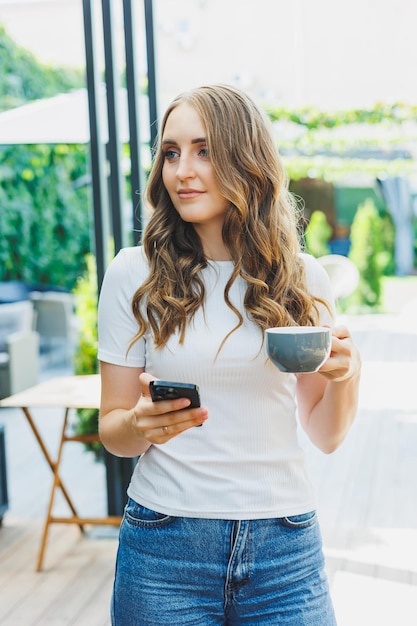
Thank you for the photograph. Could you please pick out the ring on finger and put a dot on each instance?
(165, 430)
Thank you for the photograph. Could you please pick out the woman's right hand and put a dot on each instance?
(158, 422)
(129, 421)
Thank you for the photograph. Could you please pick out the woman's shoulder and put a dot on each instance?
(128, 268)
(309, 260)
(130, 258)
(132, 254)
(318, 282)
(312, 266)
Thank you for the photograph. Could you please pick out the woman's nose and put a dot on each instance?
(185, 168)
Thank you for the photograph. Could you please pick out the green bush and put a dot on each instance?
(387, 255)
(44, 203)
(85, 358)
(44, 216)
(317, 234)
(368, 254)
(23, 78)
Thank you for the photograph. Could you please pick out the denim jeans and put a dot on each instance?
(178, 571)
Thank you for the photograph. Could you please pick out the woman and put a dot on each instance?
(220, 526)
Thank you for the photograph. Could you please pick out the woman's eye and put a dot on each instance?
(170, 154)
(204, 152)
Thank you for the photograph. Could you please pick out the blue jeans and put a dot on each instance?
(179, 571)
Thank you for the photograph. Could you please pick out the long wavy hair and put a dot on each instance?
(260, 226)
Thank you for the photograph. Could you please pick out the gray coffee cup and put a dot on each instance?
(298, 349)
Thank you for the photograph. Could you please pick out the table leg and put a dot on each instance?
(57, 483)
(52, 464)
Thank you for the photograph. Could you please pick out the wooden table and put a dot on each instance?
(67, 392)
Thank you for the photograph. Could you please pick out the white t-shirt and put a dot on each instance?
(245, 462)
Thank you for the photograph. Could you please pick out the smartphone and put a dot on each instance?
(166, 390)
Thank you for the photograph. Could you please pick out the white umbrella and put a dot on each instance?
(64, 119)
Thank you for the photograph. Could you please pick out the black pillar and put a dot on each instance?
(114, 150)
(133, 92)
(151, 63)
(97, 153)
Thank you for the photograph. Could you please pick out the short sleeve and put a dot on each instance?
(116, 323)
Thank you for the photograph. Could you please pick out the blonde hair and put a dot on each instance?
(260, 226)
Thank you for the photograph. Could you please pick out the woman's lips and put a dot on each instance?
(188, 194)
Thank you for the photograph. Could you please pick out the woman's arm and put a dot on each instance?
(328, 399)
(129, 421)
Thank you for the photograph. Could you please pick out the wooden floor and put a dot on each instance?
(73, 589)
(367, 495)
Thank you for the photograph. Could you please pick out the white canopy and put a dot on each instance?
(64, 119)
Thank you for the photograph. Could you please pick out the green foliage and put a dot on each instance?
(85, 292)
(317, 234)
(336, 168)
(313, 118)
(23, 78)
(367, 254)
(44, 217)
(335, 145)
(85, 358)
(387, 254)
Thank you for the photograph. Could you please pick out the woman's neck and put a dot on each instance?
(213, 247)
(216, 253)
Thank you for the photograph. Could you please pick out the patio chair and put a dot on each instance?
(55, 321)
(19, 348)
(343, 274)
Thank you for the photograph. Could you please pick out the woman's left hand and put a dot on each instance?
(328, 400)
(344, 361)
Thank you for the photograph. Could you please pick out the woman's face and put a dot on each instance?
(187, 172)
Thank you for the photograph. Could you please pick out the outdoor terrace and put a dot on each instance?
(366, 492)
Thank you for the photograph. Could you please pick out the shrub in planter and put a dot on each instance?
(368, 254)
(317, 234)
(85, 358)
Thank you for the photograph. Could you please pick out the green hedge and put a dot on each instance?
(45, 219)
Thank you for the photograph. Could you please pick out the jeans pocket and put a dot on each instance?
(139, 515)
(304, 520)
